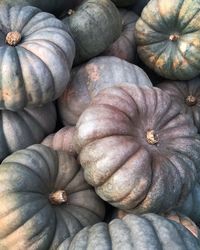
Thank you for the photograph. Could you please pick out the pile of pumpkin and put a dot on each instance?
(99, 124)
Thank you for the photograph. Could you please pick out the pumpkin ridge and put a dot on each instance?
(188, 23)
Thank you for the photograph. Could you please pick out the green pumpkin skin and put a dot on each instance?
(94, 25)
(36, 68)
(149, 231)
(53, 6)
(19, 130)
(28, 218)
(168, 38)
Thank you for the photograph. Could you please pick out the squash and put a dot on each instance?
(172, 215)
(137, 149)
(88, 79)
(21, 129)
(53, 6)
(61, 140)
(125, 46)
(168, 40)
(149, 231)
(187, 95)
(94, 26)
(44, 199)
(123, 3)
(191, 205)
(36, 54)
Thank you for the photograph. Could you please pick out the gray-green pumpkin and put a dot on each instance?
(168, 37)
(36, 54)
(146, 232)
(21, 129)
(44, 199)
(94, 25)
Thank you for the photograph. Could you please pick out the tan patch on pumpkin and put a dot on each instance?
(93, 72)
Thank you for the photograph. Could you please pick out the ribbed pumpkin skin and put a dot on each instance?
(37, 69)
(128, 168)
(123, 3)
(180, 91)
(168, 38)
(191, 205)
(21, 129)
(88, 79)
(125, 46)
(53, 6)
(149, 231)
(27, 218)
(61, 140)
(94, 25)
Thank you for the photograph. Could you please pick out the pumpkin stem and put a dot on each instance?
(13, 38)
(151, 137)
(191, 100)
(59, 197)
(174, 37)
(70, 12)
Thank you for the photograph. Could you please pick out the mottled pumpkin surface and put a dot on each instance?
(146, 232)
(168, 37)
(88, 79)
(137, 149)
(187, 95)
(125, 46)
(94, 26)
(32, 215)
(36, 55)
(53, 6)
(21, 129)
(61, 140)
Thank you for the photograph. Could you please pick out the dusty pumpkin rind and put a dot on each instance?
(149, 231)
(94, 26)
(127, 169)
(44, 199)
(21, 129)
(168, 38)
(187, 95)
(36, 54)
(90, 78)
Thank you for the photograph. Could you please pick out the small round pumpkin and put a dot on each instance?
(149, 231)
(187, 95)
(21, 129)
(137, 149)
(168, 38)
(44, 199)
(88, 79)
(36, 54)
(94, 25)
(125, 46)
(61, 140)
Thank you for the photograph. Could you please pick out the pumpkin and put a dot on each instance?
(168, 40)
(21, 129)
(149, 231)
(137, 149)
(123, 3)
(54, 6)
(172, 215)
(61, 140)
(44, 199)
(36, 57)
(94, 25)
(187, 95)
(88, 79)
(191, 205)
(125, 46)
